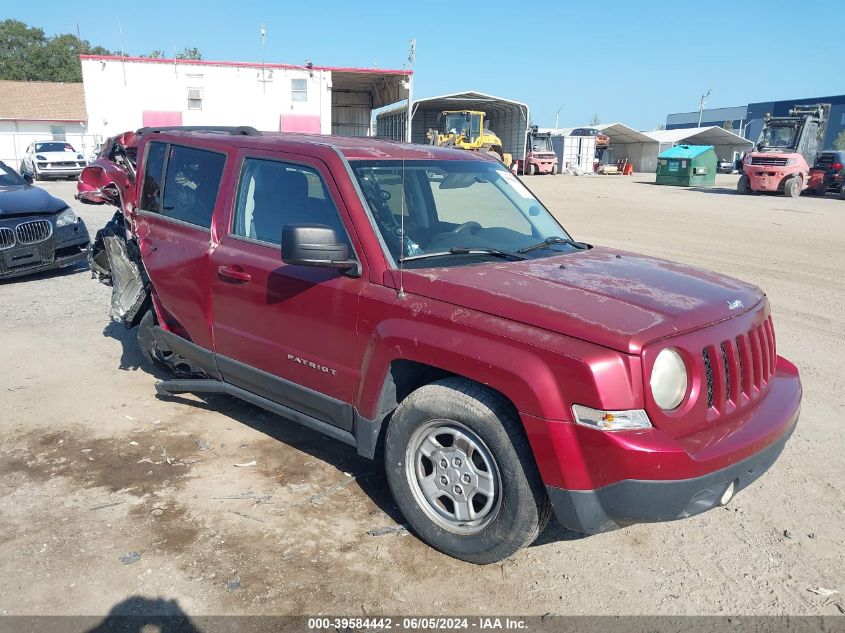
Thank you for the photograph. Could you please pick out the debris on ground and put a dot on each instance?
(318, 499)
(249, 494)
(233, 585)
(107, 505)
(298, 488)
(839, 607)
(244, 465)
(247, 516)
(130, 557)
(133, 443)
(787, 534)
(821, 591)
(811, 535)
(383, 531)
(169, 460)
(202, 445)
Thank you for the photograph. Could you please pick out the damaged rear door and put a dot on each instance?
(173, 227)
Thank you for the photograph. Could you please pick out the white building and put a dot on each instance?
(127, 93)
(41, 111)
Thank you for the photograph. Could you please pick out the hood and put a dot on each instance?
(26, 200)
(59, 156)
(612, 298)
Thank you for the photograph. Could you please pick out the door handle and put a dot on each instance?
(234, 274)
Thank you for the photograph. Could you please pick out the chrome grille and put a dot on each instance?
(740, 370)
(7, 238)
(33, 232)
(768, 160)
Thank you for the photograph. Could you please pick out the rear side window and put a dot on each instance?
(273, 194)
(191, 183)
(153, 173)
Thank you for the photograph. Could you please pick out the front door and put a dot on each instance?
(285, 332)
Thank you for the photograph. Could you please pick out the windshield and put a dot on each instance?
(54, 147)
(9, 177)
(541, 144)
(778, 136)
(454, 204)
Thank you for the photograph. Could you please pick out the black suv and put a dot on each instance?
(833, 163)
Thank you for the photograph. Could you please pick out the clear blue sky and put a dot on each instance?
(632, 61)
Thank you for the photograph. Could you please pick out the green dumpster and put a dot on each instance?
(687, 166)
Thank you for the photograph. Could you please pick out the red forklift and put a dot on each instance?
(540, 157)
(787, 147)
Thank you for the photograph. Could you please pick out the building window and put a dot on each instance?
(58, 132)
(194, 98)
(299, 90)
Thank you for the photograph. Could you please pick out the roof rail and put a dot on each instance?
(240, 130)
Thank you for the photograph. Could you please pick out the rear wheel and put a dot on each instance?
(792, 187)
(462, 472)
(532, 169)
(744, 185)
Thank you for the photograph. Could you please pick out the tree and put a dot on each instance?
(27, 54)
(839, 143)
(156, 54)
(595, 119)
(728, 125)
(189, 53)
(660, 126)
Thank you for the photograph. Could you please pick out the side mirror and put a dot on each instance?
(27, 176)
(316, 245)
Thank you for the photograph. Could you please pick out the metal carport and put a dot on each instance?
(723, 141)
(508, 118)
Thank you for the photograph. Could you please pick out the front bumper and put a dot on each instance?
(599, 480)
(641, 501)
(67, 246)
(59, 172)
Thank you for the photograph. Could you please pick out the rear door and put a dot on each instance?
(284, 332)
(178, 197)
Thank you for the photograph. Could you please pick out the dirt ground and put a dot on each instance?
(94, 468)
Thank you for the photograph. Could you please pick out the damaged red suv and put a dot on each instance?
(422, 306)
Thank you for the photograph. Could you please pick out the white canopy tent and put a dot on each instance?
(625, 142)
(724, 142)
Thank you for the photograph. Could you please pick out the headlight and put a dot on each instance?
(66, 217)
(611, 420)
(792, 161)
(668, 379)
(40, 157)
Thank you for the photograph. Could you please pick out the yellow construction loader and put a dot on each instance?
(466, 129)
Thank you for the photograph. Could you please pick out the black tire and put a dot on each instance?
(744, 185)
(523, 508)
(792, 187)
(842, 193)
(532, 169)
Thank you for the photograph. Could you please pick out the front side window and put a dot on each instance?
(272, 194)
(425, 207)
(778, 137)
(191, 184)
(299, 89)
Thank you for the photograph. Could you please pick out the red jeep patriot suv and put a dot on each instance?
(422, 305)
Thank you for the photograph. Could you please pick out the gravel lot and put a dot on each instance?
(94, 467)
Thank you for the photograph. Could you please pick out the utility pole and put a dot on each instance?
(701, 103)
(556, 115)
(412, 56)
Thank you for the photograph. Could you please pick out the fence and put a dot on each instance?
(13, 145)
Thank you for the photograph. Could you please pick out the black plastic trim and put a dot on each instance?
(170, 387)
(193, 353)
(312, 403)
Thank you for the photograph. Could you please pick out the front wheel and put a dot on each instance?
(792, 187)
(744, 185)
(462, 472)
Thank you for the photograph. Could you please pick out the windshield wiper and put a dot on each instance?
(549, 241)
(460, 250)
